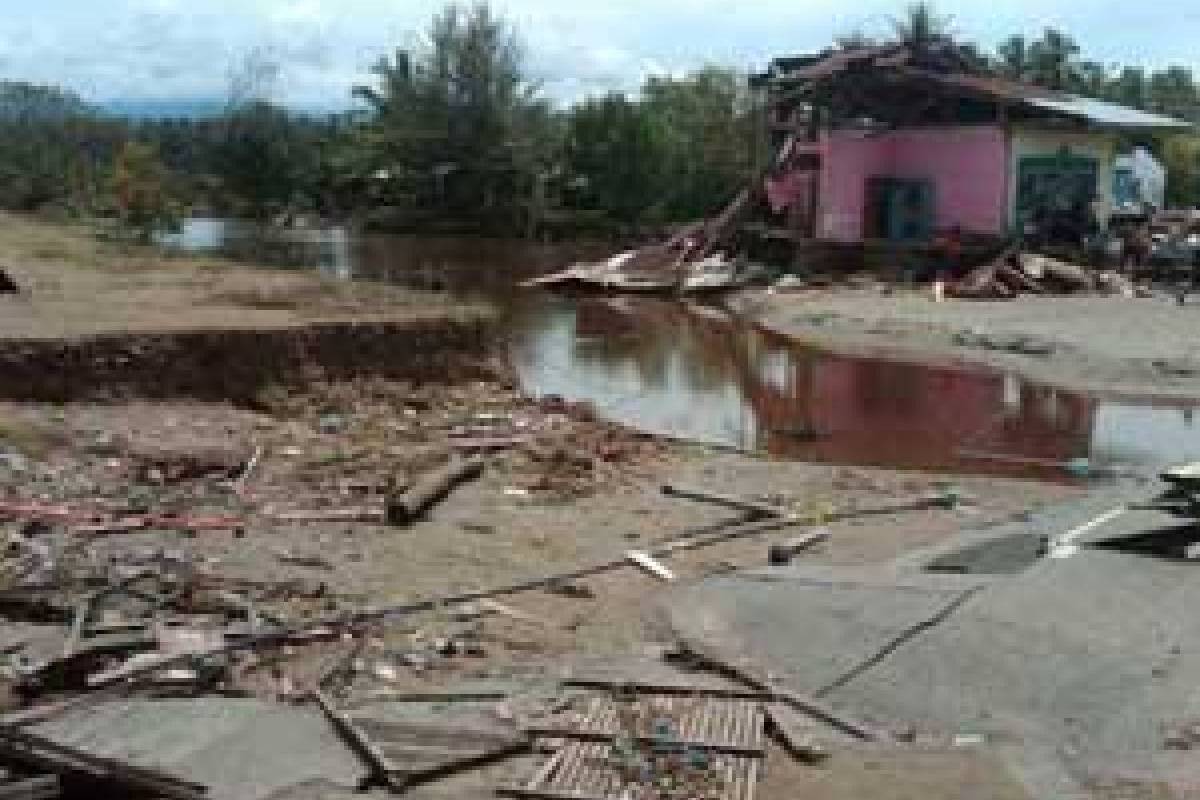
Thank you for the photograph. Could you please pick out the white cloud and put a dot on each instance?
(159, 48)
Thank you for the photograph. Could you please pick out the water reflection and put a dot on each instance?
(697, 373)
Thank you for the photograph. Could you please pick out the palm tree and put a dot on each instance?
(921, 25)
(1013, 55)
(1053, 60)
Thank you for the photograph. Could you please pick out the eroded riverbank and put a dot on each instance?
(1105, 346)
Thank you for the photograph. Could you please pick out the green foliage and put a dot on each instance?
(141, 196)
(53, 149)
(455, 128)
(921, 25)
(613, 157)
(267, 159)
(711, 134)
(1181, 156)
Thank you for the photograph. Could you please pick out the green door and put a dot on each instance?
(1054, 185)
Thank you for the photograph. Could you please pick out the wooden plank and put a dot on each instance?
(751, 507)
(796, 740)
(491, 604)
(650, 565)
(46, 755)
(546, 771)
(730, 693)
(599, 737)
(42, 787)
(455, 761)
(381, 769)
(406, 508)
(433, 697)
(782, 553)
(525, 793)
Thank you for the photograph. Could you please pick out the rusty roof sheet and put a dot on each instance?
(1097, 112)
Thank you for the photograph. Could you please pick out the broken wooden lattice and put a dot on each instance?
(652, 746)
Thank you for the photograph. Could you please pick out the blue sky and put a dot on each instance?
(143, 49)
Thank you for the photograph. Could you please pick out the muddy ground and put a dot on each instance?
(570, 492)
(280, 493)
(76, 285)
(1107, 345)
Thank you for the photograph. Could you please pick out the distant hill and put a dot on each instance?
(194, 108)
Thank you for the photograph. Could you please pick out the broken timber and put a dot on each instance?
(45, 755)
(811, 706)
(601, 737)
(380, 768)
(41, 787)
(650, 564)
(758, 510)
(327, 627)
(406, 508)
(796, 740)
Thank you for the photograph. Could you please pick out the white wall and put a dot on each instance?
(1025, 142)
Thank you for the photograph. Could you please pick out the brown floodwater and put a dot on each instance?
(701, 374)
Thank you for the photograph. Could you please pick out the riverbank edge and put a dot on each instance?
(1067, 368)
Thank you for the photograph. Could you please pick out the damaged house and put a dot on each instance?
(894, 143)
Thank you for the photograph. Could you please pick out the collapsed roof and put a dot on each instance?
(941, 81)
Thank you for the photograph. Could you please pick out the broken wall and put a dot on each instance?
(967, 167)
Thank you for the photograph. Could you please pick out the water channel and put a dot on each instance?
(701, 374)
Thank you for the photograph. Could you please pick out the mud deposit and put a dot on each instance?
(236, 365)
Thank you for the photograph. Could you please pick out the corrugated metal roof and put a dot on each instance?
(900, 61)
(1105, 114)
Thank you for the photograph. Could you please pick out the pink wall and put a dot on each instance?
(967, 166)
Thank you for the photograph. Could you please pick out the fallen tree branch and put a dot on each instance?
(406, 508)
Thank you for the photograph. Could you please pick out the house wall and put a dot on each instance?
(848, 160)
(967, 166)
(1025, 142)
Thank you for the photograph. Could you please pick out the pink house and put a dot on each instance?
(897, 143)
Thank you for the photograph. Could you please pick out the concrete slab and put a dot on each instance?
(1083, 661)
(241, 749)
(811, 626)
(1094, 653)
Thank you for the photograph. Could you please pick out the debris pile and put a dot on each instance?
(1015, 273)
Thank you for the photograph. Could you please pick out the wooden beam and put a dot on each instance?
(796, 740)
(730, 693)
(650, 564)
(462, 760)
(42, 787)
(758, 510)
(382, 771)
(46, 755)
(600, 737)
(525, 793)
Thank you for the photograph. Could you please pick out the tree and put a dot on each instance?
(613, 157)
(1173, 92)
(267, 159)
(1092, 79)
(1129, 88)
(1014, 60)
(712, 138)
(1053, 60)
(921, 25)
(1181, 157)
(139, 185)
(449, 122)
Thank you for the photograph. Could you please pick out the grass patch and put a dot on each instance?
(28, 440)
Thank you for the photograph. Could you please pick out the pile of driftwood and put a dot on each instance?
(1014, 273)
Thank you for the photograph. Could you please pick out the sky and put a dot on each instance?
(184, 49)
